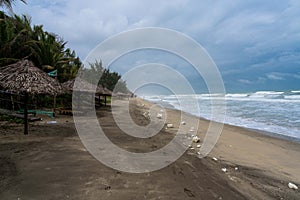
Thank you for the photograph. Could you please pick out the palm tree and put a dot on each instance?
(51, 53)
(8, 3)
(16, 39)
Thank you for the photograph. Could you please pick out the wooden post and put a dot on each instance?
(12, 102)
(99, 100)
(26, 114)
(105, 100)
(54, 105)
(54, 100)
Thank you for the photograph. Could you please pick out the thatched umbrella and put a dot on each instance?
(23, 77)
(82, 86)
(106, 93)
(100, 89)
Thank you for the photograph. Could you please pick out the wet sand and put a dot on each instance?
(52, 163)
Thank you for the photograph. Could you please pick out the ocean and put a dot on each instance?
(270, 112)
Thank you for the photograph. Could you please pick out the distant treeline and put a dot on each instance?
(19, 40)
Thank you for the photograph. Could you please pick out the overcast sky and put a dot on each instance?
(255, 43)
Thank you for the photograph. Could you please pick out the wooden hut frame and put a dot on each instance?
(24, 78)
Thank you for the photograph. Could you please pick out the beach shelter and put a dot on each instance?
(24, 78)
(106, 93)
(83, 86)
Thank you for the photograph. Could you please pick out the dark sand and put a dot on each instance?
(52, 163)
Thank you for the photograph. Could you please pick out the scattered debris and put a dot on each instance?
(198, 153)
(52, 122)
(293, 186)
(224, 170)
(183, 123)
(236, 168)
(107, 188)
(161, 110)
(192, 148)
(232, 178)
(199, 145)
(146, 114)
(159, 115)
(170, 126)
(196, 139)
(215, 159)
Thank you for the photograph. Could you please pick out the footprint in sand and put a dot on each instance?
(189, 192)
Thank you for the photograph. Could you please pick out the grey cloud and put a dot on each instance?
(275, 76)
(243, 37)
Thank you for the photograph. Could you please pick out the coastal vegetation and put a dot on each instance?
(108, 78)
(21, 41)
(48, 51)
(8, 3)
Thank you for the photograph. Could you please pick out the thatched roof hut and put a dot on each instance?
(100, 89)
(24, 77)
(107, 92)
(81, 86)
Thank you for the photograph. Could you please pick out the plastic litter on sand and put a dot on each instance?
(293, 186)
(52, 122)
(170, 126)
(215, 159)
(196, 139)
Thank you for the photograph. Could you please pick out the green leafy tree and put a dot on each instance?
(16, 38)
(8, 3)
(20, 40)
(108, 79)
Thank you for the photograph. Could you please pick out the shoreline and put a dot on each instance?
(260, 131)
(255, 142)
(52, 163)
(271, 158)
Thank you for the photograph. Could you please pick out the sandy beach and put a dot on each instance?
(52, 163)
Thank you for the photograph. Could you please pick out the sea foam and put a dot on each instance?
(272, 111)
